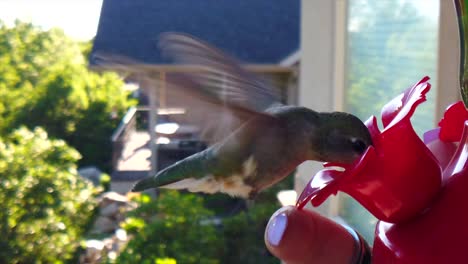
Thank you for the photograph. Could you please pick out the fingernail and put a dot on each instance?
(276, 228)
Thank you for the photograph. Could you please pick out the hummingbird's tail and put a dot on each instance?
(197, 174)
(147, 183)
(177, 175)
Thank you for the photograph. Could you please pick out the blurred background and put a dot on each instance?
(75, 134)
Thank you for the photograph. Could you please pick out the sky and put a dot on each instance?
(79, 19)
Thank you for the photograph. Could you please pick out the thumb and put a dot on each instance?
(301, 236)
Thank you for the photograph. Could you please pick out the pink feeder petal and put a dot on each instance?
(452, 123)
(319, 184)
(444, 144)
(431, 135)
(413, 96)
(443, 151)
(325, 183)
(374, 131)
(459, 162)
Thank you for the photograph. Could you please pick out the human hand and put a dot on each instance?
(302, 236)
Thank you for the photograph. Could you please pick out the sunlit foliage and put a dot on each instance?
(45, 81)
(45, 206)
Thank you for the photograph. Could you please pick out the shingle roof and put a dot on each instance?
(254, 31)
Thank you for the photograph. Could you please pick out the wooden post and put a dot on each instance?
(448, 82)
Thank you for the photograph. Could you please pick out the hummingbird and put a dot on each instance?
(271, 140)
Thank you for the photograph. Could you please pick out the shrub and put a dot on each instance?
(180, 226)
(244, 236)
(174, 225)
(45, 206)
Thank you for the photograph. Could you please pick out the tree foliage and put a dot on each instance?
(44, 81)
(45, 205)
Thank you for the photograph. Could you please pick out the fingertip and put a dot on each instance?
(276, 227)
(302, 236)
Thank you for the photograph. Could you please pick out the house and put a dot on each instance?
(261, 35)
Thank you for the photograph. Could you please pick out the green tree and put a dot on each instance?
(44, 81)
(46, 207)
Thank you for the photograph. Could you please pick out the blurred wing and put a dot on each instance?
(219, 95)
(220, 77)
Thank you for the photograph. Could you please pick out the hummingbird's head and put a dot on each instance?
(342, 137)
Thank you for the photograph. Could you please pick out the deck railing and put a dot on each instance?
(127, 126)
(136, 118)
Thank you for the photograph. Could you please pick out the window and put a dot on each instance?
(390, 45)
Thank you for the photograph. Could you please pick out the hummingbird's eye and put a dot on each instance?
(358, 145)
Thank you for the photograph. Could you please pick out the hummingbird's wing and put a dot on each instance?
(238, 94)
(226, 94)
(220, 76)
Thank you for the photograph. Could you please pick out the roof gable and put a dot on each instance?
(254, 31)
